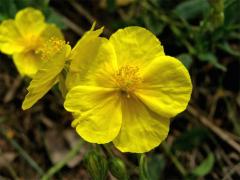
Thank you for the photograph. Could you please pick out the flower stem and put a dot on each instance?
(59, 165)
(173, 158)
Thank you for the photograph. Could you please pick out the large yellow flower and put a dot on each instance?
(128, 91)
(24, 36)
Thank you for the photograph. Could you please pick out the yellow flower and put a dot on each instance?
(50, 72)
(55, 53)
(128, 92)
(23, 36)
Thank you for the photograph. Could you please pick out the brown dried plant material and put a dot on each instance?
(58, 146)
(7, 158)
(55, 145)
(73, 139)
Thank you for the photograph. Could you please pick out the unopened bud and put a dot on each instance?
(118, 168)
(96, 165)
(143, 168)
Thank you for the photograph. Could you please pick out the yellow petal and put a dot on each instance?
(166, 86)
(90, 96)
(142, 129)
(45, 78)
(100, 108)
(135, 45)
(51, 31)
(30, 22)
(82, 55)
(92, 64)
(84, 49)
(27, 63)
(10, 38)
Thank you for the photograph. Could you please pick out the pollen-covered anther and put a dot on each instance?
(127, 79)
(51, 47)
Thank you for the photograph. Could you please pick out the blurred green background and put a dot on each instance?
(204, 140)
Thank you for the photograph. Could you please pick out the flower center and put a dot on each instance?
(128, 79)
(31, 43)
(51, 47)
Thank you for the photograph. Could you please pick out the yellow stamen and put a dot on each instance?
(51, 47)
(127, 78)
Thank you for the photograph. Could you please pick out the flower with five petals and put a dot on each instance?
(24, 37)
(127, 91)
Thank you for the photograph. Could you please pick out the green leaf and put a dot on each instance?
(231, 12)
(227, 48)
(152, 23)
(8, 9)
(40, 4)
(205, 167)
(191, 9)
(53, 17)
(186, 59)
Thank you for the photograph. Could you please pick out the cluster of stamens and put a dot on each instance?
(51, 47)
(127, 79)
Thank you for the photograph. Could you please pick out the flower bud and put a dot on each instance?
(96, 165)
(143, 167)
(118, 168)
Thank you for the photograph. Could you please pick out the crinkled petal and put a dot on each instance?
(27, 63)
(167, 86)
(100, 112)
(10, 38)
(135, 45)
(92, 64)
(85, 49)
(142, 129)
(82, 55)
(30, 22)
(45, 78)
